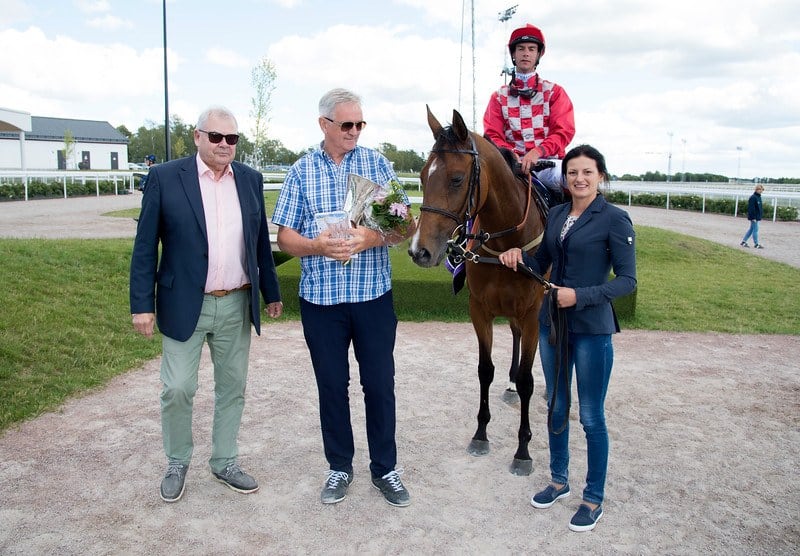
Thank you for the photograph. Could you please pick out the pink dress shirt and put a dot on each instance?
(226, 258)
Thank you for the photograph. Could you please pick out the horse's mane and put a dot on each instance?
(447, 135)
(510, 159)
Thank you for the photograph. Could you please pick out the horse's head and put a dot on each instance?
(449, 180)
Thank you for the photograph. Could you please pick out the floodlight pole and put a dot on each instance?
(669, 157)
(168, 146)
(474, 96)
(683, 162)
(738, 163)
(504, 16)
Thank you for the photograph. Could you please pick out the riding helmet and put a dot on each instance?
(529, 33)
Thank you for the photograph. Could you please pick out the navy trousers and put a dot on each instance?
(371, 327)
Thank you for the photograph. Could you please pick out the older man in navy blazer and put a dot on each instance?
(207, 213)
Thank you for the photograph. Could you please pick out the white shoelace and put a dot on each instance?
(334, 477)
(393, 478)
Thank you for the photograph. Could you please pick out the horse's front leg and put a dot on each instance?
(479, 445)
(522, 464)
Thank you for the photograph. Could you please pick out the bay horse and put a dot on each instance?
(471, 193)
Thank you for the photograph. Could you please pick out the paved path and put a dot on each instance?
(780, 238)
(83, 218)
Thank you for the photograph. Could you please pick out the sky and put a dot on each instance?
(695, 86)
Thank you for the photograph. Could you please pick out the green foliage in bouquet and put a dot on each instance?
(388, 210)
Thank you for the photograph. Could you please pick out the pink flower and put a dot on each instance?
(398, 209)
(380, 196)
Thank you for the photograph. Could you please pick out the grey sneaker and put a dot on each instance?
(392, 488)
(234, 478)
(173, 483)
(335, 488)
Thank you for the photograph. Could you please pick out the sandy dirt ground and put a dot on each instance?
(705, 444)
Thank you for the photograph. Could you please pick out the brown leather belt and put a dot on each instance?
(223, 293)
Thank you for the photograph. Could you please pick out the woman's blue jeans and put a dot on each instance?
(591, 356)
(752, 231)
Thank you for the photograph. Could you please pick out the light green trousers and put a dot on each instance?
(225, 324)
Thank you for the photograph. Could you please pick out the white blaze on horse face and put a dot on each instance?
(432, 168)
(413, 246)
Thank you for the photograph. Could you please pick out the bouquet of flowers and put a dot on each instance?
(381, 208)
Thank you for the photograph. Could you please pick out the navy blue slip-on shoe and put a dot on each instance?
(548, 496)
(585, 518)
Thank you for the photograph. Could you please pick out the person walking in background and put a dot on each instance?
(150, 161)
(345, 299)
(584, 240)
(207, 213)
(755, 212)
(530, 116)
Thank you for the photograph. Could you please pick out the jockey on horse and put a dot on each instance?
(530, 116)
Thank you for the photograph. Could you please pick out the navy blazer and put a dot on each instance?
(600, 240)
(172, 214)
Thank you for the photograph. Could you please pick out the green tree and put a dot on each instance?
(404, 161)
(69, 148)
(263, 78)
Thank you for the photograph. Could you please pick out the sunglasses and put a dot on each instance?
(216, 137)
(347, 126)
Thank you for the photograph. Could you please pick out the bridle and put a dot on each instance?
(463, 243)
(472, 188)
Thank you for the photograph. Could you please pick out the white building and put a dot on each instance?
(37, 143)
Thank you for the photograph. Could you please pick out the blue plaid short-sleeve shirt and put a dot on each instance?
(315, 184)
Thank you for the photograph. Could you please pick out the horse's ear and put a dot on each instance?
(459, 127)
(434, 124)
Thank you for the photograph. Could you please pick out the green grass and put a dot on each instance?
(65, 325)
(684, 284)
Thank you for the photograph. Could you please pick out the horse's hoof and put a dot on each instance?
(521, 467)
(478, 447)
(510, 396)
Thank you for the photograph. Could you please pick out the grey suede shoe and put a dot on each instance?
(174, 482)
(392, 488)
(335, 488)
(235, 479)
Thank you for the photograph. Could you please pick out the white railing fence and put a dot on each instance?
(124, 182)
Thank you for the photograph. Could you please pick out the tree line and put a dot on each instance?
(698, 177)
(150, 139)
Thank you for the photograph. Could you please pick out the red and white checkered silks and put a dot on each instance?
(545, 122)
(528, 118)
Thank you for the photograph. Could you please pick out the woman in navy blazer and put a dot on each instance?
(585, 239)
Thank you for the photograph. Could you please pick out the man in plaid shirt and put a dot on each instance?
(345, 296)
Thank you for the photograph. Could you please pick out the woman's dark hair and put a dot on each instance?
(589, 152)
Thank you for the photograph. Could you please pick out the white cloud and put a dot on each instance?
(74, 70)
(109, 23)
(226, 57)
(93, 6)
(13, 11)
